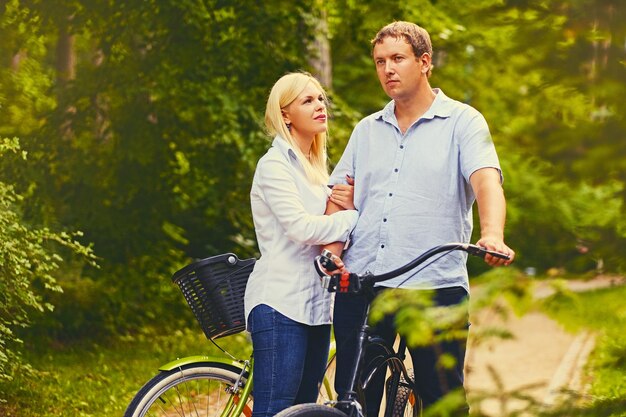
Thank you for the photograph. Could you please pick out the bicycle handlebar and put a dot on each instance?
(350, 282)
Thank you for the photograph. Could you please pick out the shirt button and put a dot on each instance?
(382, 246)
(385, 220)
(390, 194)
(401, 146)
(395, 170)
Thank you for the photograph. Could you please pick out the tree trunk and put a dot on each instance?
(65, 66)
(66, 59)
(319, 50)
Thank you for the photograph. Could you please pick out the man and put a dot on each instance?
(418, 166)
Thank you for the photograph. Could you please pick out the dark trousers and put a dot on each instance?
(432, 382)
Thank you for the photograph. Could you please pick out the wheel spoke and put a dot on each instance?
(194, 391)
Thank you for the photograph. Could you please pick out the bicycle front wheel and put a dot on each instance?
(197, 389)
(310, 410)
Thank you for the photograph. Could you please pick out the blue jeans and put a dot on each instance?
(431, 382)
(289, 360)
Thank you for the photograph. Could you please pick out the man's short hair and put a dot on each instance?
(416, 36)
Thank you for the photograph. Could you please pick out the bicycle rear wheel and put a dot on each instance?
(198, 390)
(407, 403)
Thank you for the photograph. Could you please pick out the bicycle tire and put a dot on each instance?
(196, 389)
(310, 410)
(407, 403)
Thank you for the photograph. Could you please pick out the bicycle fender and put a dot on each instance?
(196, 359)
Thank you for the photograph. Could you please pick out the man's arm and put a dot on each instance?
(492, 213)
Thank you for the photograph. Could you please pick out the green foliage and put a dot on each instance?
(571, 225)
(603, 313)
(29, 259)
(150, 148)
(149, 144)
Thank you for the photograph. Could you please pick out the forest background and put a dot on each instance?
(130, 132)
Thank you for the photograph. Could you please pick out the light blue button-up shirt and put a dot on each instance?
(289, 220)
(412, 191)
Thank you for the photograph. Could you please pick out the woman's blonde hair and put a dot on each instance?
(283, 93)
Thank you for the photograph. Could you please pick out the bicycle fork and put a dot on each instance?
(235, 407)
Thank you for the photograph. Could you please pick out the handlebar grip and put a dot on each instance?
(327, 262)
(324, 264)
(498, 254)
(480, 251)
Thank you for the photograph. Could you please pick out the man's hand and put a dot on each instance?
(497, 245)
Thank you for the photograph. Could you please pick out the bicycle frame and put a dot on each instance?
(364, 284)
(392, 358)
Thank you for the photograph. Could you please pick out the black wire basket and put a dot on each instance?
(214, 289)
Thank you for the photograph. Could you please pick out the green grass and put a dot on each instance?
(604, 313)
(99, 380)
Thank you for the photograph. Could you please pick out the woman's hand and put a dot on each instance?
(341, 267)
(343, 194)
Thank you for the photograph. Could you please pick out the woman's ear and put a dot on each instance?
(286, 118)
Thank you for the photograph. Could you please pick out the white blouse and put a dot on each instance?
(288, 214)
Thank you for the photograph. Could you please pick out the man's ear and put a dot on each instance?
(426, 61)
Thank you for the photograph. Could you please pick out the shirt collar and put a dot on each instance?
(285, 148)
(441, 107)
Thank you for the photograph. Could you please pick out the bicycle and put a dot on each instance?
(202, 386)
(401, 397)
(205, 385)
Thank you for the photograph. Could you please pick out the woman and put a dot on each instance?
(287, 311)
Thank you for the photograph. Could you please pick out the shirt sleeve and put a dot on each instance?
(477, 150)
(281, 194)
(346, 164)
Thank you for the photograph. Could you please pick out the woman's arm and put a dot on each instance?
(281, 194)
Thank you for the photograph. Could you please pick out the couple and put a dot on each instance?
(418, 165)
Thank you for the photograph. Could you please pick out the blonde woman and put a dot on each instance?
(287, 311)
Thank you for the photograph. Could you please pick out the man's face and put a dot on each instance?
(399, 71)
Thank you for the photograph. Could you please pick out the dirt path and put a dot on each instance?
(539, 361)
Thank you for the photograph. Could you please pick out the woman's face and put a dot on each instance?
(307, 114)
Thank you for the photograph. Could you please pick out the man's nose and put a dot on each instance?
(389, 69)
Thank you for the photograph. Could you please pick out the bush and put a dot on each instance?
(29, 257)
